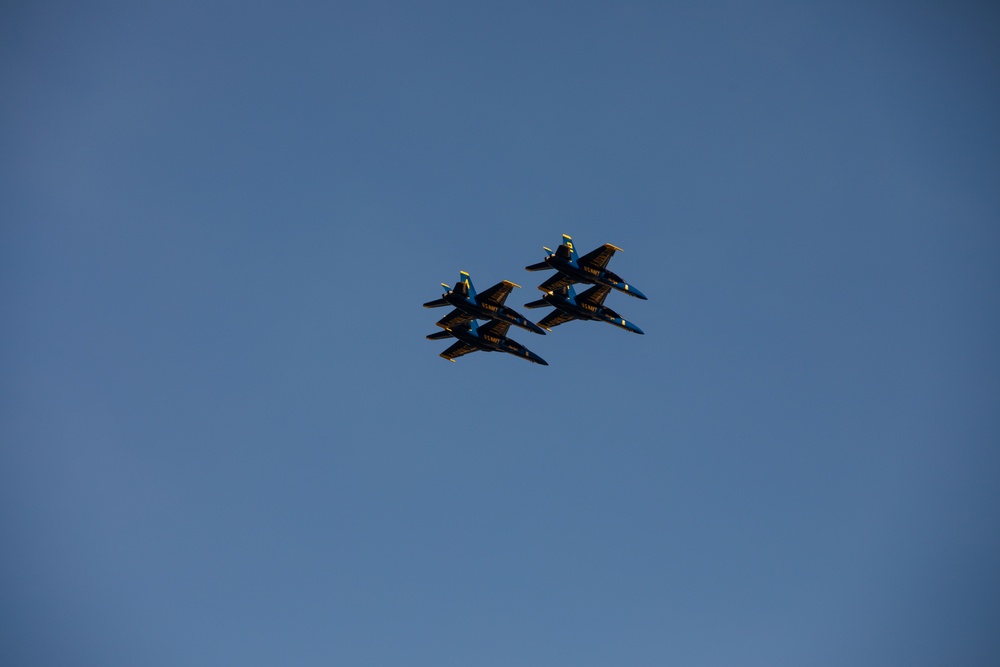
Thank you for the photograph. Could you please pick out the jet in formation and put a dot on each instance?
(490, 337)
(486, 305)
(591, 269)
(589, 305)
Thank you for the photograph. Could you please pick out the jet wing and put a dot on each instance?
(595, 295)
(599, 257)
(557, 282)
(458, 349)
(495, 328)
(454, 319)
(498, 293)
(555, 318)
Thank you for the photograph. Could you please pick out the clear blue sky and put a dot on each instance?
(225, 440)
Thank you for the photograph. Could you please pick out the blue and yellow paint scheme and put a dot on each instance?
(588, 306)
(486, 305)
(490, 337)
(591, 269)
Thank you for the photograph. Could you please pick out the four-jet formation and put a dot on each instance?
(469, 306)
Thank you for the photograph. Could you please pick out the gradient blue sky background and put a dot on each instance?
(226, 441)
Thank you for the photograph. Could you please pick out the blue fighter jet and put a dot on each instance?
(588, 306)
(487, 305)
(591, 269)
(490, 337)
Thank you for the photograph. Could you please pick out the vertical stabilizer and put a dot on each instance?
(566, 249)
(467, 281)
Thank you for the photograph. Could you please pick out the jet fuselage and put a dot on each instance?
(591, 275)
(584, 310)
(488, 342)
(488, 310)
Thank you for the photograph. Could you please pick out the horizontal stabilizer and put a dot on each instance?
(439, 335)
(541, 266)
(436, 303)
(541, 303)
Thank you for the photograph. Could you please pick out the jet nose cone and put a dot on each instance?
(628, 326)
(537, 359)
(629, 289)
(633, 328)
